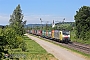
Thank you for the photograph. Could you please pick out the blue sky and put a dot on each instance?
(48, 10)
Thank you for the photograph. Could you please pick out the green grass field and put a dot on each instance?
(34, 52)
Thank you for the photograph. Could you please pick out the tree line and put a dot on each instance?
(82, 23)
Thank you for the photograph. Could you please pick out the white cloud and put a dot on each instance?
(4, 19)
(35, 19)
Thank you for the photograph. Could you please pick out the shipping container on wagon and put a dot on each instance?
(49, 34)
(39, 32)
(30, 32)
(56, 34)
(52, 34)
(36, 32)
(43, 33)
(27, 31)
(46, 32)
(33, 31)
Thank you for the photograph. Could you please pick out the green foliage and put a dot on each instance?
(23, 46)
(3, 42)
(82, 20)
(87, 35)
(19, 39)
(11, 35)
(64, 27)
(74, 39)
(1, 32)
(12, 38)
(14, 32)
(1, 51)
(16, 21)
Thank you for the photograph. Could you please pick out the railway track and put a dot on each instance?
(78, 47)
(75, 46)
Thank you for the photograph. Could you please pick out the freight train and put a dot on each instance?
(57, 35)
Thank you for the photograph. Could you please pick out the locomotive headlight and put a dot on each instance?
(66, 37)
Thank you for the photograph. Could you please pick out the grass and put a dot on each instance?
(33, 47)
(34, 52)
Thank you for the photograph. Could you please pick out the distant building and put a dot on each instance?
(53, 24)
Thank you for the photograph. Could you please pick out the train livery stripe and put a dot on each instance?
(60, 35)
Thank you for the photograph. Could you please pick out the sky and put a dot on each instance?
(47, 10)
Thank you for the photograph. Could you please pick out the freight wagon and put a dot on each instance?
(60, 36)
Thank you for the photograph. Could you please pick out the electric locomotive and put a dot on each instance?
(62, 36)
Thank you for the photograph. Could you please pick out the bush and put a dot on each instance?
(87, 35)
(23, 46)
(13, 39)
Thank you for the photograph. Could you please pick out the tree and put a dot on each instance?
(11, 35)
(16, 21)
(82, 20)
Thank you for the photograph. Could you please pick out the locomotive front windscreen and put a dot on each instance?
(66, 33)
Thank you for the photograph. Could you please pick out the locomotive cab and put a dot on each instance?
(65, 36)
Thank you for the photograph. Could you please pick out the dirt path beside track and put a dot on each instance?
(57, 51)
